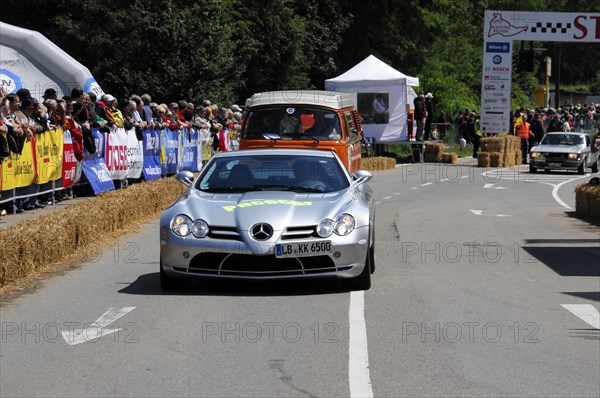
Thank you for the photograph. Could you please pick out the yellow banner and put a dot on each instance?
(49, 148)
(18, 170)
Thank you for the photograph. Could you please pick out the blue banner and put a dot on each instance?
(94, 166)
(189, 141)
(152, 170)
(169, 145)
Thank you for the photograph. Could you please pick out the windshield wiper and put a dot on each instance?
(302, 189)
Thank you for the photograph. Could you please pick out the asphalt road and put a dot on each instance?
(486, 285)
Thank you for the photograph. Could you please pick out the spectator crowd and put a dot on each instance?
(24, 117)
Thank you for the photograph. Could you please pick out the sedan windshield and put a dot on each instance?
(273, 173)
(562, 139)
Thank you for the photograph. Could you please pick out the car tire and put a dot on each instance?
(169, 283)
(362, 281)
(532, 169)
(581, 168)
(595, 167)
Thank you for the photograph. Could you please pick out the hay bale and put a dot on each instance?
(492, 144)
(483, 159)
(449, 157)
(433, 152)
(509, 159)
(496, 159)
(518, 156)
(378, 163)
(587, 201)
(72, 233)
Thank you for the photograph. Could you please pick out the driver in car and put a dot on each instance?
(325, 126)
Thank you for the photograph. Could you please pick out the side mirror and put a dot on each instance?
(185, 177)
(361, 176)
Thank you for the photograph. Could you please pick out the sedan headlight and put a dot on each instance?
(573, 156)
(181, 225)
(535, 154)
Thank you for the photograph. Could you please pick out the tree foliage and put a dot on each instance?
(225, 50)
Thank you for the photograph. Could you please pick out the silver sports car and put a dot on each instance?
(270, 214)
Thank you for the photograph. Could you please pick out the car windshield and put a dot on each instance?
(562, 139)
(292, 123)
(273, 173)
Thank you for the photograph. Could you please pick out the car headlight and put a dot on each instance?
(573, 156)
(344, 224)
(199, 228)
(535, 154)
(325, 228)
(181, 225)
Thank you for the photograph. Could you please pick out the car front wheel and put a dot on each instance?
(532, 169)
(581, 168)
(595, 166)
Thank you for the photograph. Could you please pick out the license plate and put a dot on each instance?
(302, 249)
(553, 164)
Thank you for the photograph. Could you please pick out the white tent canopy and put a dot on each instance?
(29, 60)
(368, 78)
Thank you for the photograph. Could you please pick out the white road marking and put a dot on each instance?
(414, 188)
(586, 312)
(397, 193)
(387, 197)
(358, 362)
(480, 213)
(377, 203)
(492, 186)
(427, 183)
(523, 175)
(97, 328)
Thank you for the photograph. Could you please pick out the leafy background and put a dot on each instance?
(225, 50)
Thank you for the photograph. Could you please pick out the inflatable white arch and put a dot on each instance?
(29, 60)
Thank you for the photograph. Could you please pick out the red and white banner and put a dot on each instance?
(115, 153)
(69, 161)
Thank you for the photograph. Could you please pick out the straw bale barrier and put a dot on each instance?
(79, 230)
(587, 201)
(483, 159)
(433, 152)
(501, 151)
(449, 157)
(378, 163)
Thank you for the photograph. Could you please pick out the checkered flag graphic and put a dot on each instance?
(549, 27)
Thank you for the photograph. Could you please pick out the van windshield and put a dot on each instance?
(292, 123)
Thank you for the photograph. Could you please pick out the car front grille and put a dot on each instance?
(259, 266)
(232, 233)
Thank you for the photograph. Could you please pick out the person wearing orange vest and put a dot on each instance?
(523, 132)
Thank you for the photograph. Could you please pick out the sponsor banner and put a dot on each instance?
(98, 175)
(189, 149)
(151, 155)
(69, 161)
(49, 155)
(542, 26)
(135, 155)
(115, 153)
(19, 170)
(496, 87)
(169, 145)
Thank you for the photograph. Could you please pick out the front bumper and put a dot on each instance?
(189, 257)
(557, 162)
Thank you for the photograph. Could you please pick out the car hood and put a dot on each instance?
(557, 148)
(243, 210)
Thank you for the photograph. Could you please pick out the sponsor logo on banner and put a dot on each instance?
(497, 47)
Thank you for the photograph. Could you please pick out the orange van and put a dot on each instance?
(304, 119)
